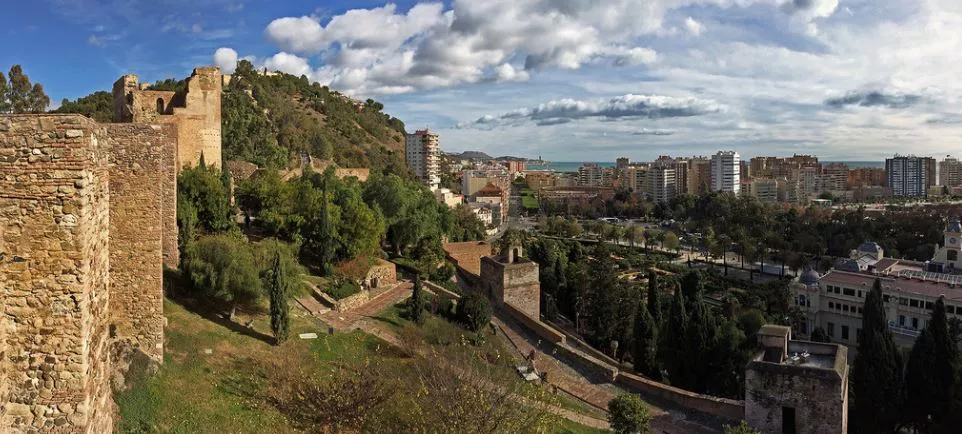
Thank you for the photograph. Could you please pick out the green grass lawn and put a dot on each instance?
(528, 200)
(195, 392)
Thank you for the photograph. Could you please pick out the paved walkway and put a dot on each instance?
(596, 394)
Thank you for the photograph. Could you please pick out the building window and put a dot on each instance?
(913, 303)
(844, 308)
(831, 330)
(860, 293)
(929, 305)
(860, 311)
(886, 298)
(831, 305)
(903, 301)
(952, 255)
(845, 332)
(849, 292)
(902, 320)
(950, 309)
(160, 106)
(915, 323)
(838, 290)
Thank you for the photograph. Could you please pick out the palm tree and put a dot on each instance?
(631, 233)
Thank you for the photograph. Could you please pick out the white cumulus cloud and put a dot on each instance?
(226, 59)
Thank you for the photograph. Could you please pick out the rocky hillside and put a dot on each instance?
(270, 120)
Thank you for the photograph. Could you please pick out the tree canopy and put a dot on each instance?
(19, 95)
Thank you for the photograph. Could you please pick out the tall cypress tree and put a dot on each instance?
(671, 344)
(877, 371)
(654, 306)
(280, 310)
(416, 305)
(931, 376)
(327, 245)
(645, 342)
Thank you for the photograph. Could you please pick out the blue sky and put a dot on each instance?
(566, 79)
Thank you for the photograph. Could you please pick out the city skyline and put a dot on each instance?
(585, 81)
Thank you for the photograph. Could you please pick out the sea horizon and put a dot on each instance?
(572, 166)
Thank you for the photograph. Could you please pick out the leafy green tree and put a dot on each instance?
(22, 96)
(645, 342)
(248, 133)
(203, 188)
(474, 311)
(628, 414)
(186, 227)
(700, 339)
(671, 241)
(931, 378)
(280, 310)
(877, 371)
(98, 106)
(222, 269)
(416, 305)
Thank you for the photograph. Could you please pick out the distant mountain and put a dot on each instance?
(510, 158)
(470, 155)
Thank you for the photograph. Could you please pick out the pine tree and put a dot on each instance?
(691, 285)
(280, 310)
(645, 342)
(654, 306)
(417, 304)
(877, 371)
(931, 376)
(18, 92)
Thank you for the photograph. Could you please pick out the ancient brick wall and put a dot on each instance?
(139, 167)
(818, 399)
(54, 244)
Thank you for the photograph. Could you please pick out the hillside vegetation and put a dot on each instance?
(270, 120)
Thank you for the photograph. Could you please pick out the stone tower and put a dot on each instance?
(796, 387)
(196, 111)
(513, 280)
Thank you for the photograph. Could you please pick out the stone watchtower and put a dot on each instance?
(195, 110)
(796, 387)
(512, 280)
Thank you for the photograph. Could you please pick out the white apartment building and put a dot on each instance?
(662, 181)
(725, 172)
(950, 172)
(423, 156)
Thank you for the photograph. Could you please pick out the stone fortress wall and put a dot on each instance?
(87, 223)
(54, 218)
(196, 111)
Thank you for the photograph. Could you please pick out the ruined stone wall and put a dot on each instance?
(199, 124)
(54, 244)
(467, 255)
(516, 284)
(145, 107)
(196, 112)
(819, 400)
(140, 161)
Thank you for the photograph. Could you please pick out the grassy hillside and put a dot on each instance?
(234, 388)
(270, 120)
